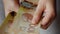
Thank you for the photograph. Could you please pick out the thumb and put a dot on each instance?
(10, 5)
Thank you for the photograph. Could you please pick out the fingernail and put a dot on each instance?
(32, 25)
(44, 26)
(13, 13)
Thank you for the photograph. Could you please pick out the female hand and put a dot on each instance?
(48, 9)
(44, 6)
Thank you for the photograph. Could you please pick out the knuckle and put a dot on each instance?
(54, 14)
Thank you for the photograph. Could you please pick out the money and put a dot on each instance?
(21, 22)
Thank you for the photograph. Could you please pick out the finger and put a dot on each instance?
(48, 17)
(46, 21)
(11, 5)
(38, 13)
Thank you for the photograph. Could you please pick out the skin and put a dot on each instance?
(44, 6)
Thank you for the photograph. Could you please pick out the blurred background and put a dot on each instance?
(53, 29)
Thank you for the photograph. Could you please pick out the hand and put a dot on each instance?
(47, 8)
(10, 5)
(44, 6)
